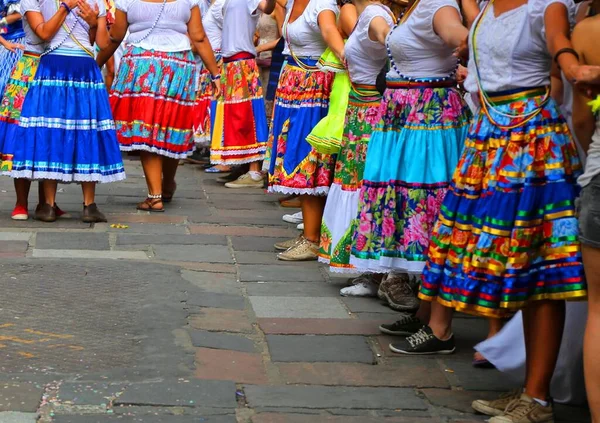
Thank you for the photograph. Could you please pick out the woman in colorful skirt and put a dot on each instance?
(301, 101)
(66, 132)
(365, 56)
(240, 125)
(212, 21)
(11, 31)
(413, 151)
(14, 97)
(151, 97)
(507, 235)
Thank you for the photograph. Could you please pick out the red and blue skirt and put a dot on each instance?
(507, 233)
(152, 102)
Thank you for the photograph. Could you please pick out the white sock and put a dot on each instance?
(256, 175)
(542, 403)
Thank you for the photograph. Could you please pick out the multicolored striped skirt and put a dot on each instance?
(339, 219)
(301, 101)
(205, 106)
(412, 155)
(11, 105)
(507, 233)
(8, 61)
(66, 130)
(240, 130)
(153, 103)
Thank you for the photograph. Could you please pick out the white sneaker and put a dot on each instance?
(247, 180)
(300, 227)
(362, 289)
(295, 218)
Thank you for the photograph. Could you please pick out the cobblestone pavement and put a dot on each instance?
(187, 316)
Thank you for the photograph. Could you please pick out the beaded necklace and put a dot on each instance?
(403, 18)
(69, 34)
(301, 65)
(486, 102)
(162, 9)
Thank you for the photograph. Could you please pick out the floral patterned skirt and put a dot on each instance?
(412, 155)
(339, 218)
(507, 233)
(205, 107)
(12, 103)
(240, 130)
(8, 61)
(301, 101)
(152, 102)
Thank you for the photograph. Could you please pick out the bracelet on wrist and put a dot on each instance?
(563, 51)
(66, 6)
(216, 77)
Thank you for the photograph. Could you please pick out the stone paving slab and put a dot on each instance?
(89, 393)
(22, 397)
(324, 418)
(242, 230)
(197, 253)
(221, 320)
(487, 380)
(300, 326)
(222, 341)
(89, 254)
(15, 236)
(133, 239)
(145, 218)
(298, 307)
(220, 394)
(235, 366)
(286, 289)
(71, 241)
(258, 273)
(365, 305)
(320, 397)
(222, 283)
(144, 228)
(215, 300)
(319, 348)
(414, 373)
(17, 417)
(143, 419)
(249, 243)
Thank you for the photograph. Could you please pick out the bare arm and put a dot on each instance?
(347, 20)
(267, 6)
(379, 30)
(47, 30)
(279, 15)
(558, 30)
(470, 10)
(117, 34)
(330, 33)
(448, 25)
(10, 46)
(584, 122)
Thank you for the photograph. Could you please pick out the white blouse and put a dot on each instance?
(417, 50)
(366, 57)
(32, 42)
(212, 21)
(170, 32)
(517, 39)
(240, 18)
(303, 36)
(81, 30)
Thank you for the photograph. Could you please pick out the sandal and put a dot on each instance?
(167, 198)
(149, 205)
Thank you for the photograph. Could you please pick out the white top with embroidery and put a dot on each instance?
(33, 43)
(212, 21)
(304, 34)
(366, 57)
(240, 18)
(417, 50)
(170, 32)
(81, 31)
(511, 48)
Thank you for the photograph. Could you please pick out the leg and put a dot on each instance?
(424, 312)
(440, 321)
(89, 193)
(49, 188)
(41, 195)
(22, 187)
(91, 213)
(591, 346)
(153, 170)
(313, 207)
(255, 167)
(110, 73)
(169, 185)
(543, 323)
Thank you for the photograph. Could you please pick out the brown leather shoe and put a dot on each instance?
(91, 214)
(45, 213)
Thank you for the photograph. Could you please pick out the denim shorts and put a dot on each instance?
(589, 214)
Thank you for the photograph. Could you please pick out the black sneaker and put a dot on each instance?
(422, 343)
(408, 325)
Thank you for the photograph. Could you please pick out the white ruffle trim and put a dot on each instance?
(387, 265)
(238, 152)
(66, 178)
(234, 162)
(279, 189)
(158, 151)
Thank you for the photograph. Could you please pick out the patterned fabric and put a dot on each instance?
(240, 131)
(66, 130)
(110, 12)
(412, 155)
(8, 61)
(507, 233)
(152, 102)
(203, 109)
(11, 105)
(339, 219)
(13, 32)
(301, 101)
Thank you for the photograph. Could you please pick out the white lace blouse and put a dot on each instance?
(304, 34)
